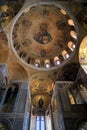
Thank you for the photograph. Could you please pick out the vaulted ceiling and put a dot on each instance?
(40, 43)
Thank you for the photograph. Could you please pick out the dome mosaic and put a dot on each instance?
(41, 101)
(41, 87)
(44, 36)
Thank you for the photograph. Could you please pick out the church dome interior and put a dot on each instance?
(43, 64)
(56, 40)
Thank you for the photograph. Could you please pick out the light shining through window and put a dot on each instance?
(40, 123)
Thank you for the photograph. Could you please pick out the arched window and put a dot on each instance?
(71, 45)
(65, 55)
(37, 63)
(47, 63)
(56, 60)
(40, 123)
(73, 34)
(70, 22)
(63, 11)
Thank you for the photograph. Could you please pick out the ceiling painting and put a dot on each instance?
(42, 33)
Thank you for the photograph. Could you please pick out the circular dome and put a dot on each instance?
(42, 33)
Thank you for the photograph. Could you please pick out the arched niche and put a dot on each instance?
(83, 54)
(17, 72)
(4, 50)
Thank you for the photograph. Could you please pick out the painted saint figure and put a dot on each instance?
(43, 36)
(82, 58)
(41, 103)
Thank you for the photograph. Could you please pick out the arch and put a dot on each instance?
(71, 45)
(73, 34)
(47, 63)
(37, 63)
(65, 54)
(56, 60)
(70, 22)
